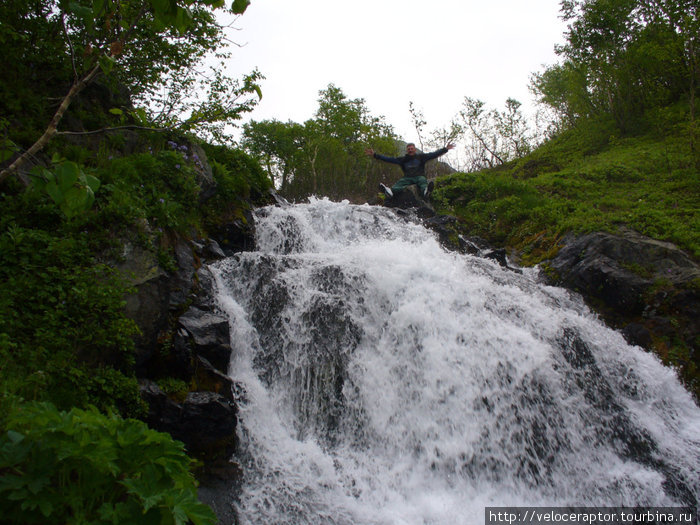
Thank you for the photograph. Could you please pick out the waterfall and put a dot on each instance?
(384, 380)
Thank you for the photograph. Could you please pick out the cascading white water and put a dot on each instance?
(385, 380)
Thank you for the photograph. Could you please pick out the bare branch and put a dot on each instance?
(51, 130)
(70, 45)
(115, 128)
(78, 85)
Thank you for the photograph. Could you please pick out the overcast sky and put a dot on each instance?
(390, 52)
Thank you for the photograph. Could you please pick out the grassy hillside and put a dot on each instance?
(587, 179)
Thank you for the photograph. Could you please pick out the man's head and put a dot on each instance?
(410, 148)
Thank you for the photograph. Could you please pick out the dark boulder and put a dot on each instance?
(446, 228)
(448, 231)
(411, 198)
(158, 294)
(209, 336)
(620, 270)
(203, 171)
(236, 235)
(277, 199)
(181, 280)
(498, 255)
(206, 378)
(148, 306)
(637, 334)
(211, 251)
(205, 422)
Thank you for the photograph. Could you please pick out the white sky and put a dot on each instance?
(390, 52)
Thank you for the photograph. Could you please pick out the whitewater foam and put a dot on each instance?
(386, 380)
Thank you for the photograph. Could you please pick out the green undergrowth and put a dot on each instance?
(81, 466)
(587, 179)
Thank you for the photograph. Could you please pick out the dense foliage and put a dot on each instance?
(83, 467)
(623, 58)
(150, 50)
(84, 82)
(64, 335)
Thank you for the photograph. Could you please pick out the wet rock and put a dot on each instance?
(205, 422)
(208, 336)
(179, 362)
(212, 251)
(446, 228)
(616, 427)
(148, 305)
(203, 172)
(277, 199)
(208, 249)
(410, 198)
(236, 235)
(209, 379)
(619, 269)
(209, 422)
(218, 487)
(637, 334)
(498, 255)
(204, 295)
(181, 280)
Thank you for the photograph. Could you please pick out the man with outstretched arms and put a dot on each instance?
(413, 167)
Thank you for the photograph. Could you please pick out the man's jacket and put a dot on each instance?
(412, 165)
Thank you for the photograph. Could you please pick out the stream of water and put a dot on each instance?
(386, 381)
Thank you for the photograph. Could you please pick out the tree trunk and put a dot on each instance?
(51, 130)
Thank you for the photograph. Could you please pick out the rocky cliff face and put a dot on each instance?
(184, 339)
(184, 344)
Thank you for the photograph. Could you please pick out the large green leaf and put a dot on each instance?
(54, 192)
(66, 175)
(92, 182)
(75, 201)
(239, 6)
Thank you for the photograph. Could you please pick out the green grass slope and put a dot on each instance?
(587, 179)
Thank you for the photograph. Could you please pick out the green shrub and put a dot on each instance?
(160, 187)
(241, 176)
(62, 322)
(84, 467)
